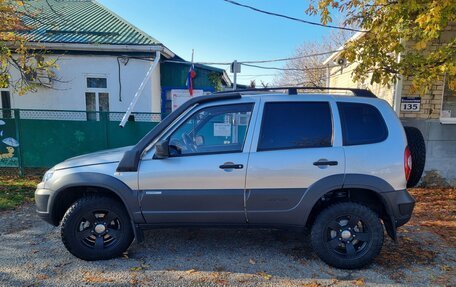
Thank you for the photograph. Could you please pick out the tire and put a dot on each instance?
(96, 228)
(347, 235)
(417, 148)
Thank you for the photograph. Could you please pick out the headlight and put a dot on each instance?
(47, 176)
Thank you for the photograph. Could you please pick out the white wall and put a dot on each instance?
(70, 93)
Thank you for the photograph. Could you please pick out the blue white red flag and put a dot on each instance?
(190, 76)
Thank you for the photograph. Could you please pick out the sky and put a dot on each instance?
(222, 32)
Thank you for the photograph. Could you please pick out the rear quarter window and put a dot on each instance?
(289, 125)
(361, 124)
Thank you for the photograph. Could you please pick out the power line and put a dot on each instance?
(258, 61)
(196, 63)
(258, 75)
(290, 58)
(285, 69)
(291, 18)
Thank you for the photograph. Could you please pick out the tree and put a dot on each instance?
(16, 55)
(305, 68)
(393, 27)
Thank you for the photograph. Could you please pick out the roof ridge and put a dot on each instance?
(84, 22)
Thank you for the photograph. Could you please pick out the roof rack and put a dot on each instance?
(294, 90)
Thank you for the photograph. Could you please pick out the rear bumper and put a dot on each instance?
(401, 205)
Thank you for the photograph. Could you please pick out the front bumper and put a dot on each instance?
(42, 196)
(400, 204)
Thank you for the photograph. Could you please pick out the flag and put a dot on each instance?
(190, 76)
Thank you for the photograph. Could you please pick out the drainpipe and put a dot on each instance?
(397, 93)
(328, 80)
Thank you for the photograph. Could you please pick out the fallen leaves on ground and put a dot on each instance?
(96, 278)
(42, 277)
(265, 275)
(312, 284)
(405, 253)
(359, 282)
(190, 271)
(435, 209)
(242, 278)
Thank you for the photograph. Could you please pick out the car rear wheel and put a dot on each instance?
(96, 228)
(347, 235)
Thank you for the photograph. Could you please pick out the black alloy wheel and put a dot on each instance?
(96, 228)
(347, 235)
(99, 229)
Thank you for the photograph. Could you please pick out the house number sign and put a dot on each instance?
(410, 104)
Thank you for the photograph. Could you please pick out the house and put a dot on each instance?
(102, 60)
(434, 113)
(174, 74)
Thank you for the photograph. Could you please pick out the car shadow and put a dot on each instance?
(245, 251)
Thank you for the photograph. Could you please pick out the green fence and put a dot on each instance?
(42, 138)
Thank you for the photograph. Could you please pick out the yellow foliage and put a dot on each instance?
(14, 49)
(390, 27)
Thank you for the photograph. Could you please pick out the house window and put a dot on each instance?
(96, 97)
(448, 114)
(6, 104)
(97, 83)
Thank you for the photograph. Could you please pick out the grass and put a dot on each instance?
(15, 191)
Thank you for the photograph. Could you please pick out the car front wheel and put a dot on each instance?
(347, 235)
(96, 228)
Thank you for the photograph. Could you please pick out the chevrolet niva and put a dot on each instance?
(336, 165)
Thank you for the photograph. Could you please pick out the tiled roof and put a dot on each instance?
(81, 22)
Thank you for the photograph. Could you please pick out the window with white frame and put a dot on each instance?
(448, 113)
(96, 97)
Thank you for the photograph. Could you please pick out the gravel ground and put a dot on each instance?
(31, 254)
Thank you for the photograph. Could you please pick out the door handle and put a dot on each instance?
(325, 162)
(230, 165)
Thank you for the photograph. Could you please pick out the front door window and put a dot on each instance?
(219, 129)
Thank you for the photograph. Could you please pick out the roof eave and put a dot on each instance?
(103, 47)
(331, 58)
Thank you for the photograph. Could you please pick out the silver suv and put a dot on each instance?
(337, 165)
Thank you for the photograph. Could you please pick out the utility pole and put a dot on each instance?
(235, 79)
(235, 68)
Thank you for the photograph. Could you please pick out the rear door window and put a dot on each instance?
(361, 124)
(288, 125)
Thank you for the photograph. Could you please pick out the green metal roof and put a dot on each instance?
(81, 22)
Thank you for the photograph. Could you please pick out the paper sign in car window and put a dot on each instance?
(222, 130)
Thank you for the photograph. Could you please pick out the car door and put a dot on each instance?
(295, 146)
(203, 179)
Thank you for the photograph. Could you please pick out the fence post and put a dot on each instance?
(104, 116)
(17, 122)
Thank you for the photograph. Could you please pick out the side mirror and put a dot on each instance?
(162, 149)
